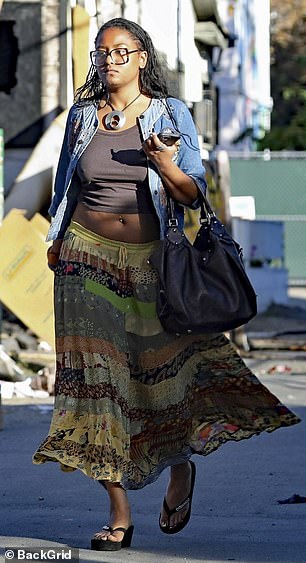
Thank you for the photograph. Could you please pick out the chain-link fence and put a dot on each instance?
(277, 181)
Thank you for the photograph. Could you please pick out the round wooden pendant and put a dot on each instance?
(115, 120)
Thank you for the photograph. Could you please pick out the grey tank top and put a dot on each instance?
(114, 175)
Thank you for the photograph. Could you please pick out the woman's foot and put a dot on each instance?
(120, 514)
(108, 545)
(176, 508)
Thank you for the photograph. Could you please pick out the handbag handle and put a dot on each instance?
(206, 211)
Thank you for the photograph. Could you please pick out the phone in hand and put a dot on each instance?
(169, 136)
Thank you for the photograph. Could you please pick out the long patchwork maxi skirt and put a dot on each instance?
(131, 399)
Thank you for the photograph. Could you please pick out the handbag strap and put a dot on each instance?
(207, 214)
(206, 211)
(172, 221)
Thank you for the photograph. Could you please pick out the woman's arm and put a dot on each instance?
(62, 166)
(181, 187)
(185, 177)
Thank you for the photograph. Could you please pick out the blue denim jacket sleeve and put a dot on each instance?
(189, 158)
(63, 165)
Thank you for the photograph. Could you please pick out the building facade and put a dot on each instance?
(243, 75)
(46, 31)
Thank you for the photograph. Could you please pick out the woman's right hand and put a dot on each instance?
(53, 254)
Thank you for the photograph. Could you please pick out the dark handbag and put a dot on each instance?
(202, 287)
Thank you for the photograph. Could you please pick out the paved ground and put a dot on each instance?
(235, 515)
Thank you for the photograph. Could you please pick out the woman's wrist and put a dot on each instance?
(53, 253)
(56, 246)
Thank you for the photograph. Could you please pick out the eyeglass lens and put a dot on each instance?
(118, 56)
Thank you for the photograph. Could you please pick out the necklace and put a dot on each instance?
(116, 118)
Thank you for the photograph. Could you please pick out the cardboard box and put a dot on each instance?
(26, 283)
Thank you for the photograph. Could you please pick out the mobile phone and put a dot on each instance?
(168, 136)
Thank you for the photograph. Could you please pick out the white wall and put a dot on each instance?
(244, 77)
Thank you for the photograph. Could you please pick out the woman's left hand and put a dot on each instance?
(181, 187)
(158, 152)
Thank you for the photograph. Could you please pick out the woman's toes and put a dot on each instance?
(177, 518)
(103, 535)
(116, 538)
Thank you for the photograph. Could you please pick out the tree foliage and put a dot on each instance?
(288, 76)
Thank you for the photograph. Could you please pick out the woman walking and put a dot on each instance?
(131, 399)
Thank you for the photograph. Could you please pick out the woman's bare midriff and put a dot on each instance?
(130, 227)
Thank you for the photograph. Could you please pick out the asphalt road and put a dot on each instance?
(235, 517)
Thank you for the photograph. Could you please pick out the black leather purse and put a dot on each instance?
(202, 287)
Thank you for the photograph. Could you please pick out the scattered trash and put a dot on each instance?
(279, 369)
(295, 499)
(7, 389)
(8, 367)
(27, 364)
(43, 346)
(10, 389)
(44, 380)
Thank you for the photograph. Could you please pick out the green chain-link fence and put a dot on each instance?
(277, 181)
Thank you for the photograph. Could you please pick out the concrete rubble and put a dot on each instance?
(27, 364)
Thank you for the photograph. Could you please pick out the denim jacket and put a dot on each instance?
(82, 123)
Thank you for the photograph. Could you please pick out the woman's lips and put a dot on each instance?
(110, 71)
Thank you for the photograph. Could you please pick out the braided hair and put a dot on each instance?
(152, 81)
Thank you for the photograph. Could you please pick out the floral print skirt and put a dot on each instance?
(132, 399)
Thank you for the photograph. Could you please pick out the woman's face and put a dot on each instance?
(117, 75)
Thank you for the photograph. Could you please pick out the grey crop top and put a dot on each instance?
(114, 175)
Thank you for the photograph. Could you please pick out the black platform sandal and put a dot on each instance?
(108, 545)
(166, 529)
